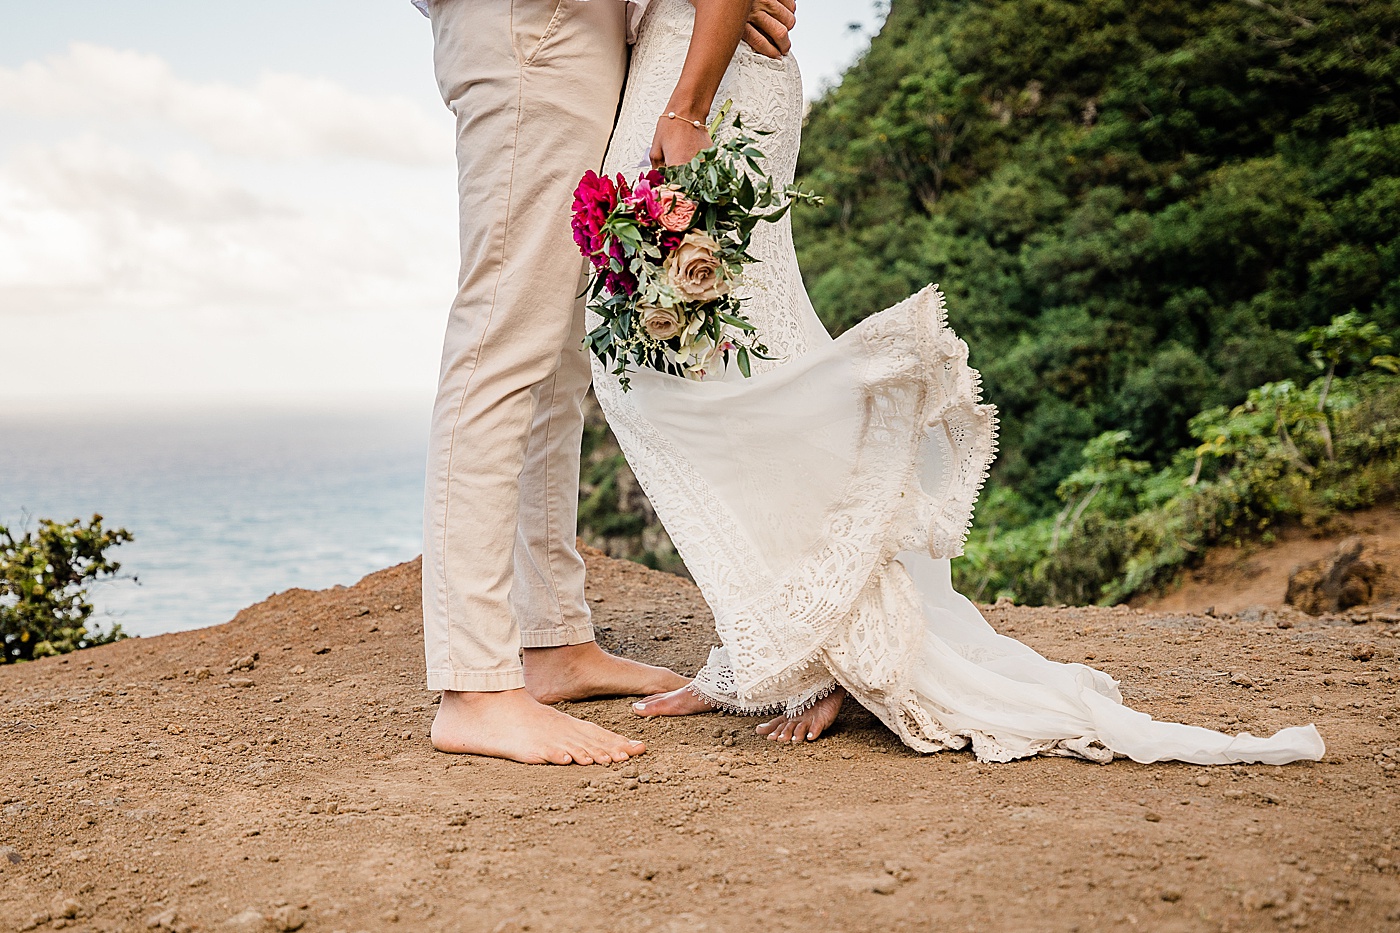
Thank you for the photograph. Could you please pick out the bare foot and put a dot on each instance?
(809, 726)
(511, 724)
(580, 672)
(680, 702)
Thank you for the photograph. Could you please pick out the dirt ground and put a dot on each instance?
(153, 785)
(1233, 579)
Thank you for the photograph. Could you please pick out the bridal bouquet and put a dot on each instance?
(668, 251)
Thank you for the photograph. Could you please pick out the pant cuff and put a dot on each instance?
(476, 681)
(557, 638)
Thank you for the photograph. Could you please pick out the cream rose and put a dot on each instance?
(694, 269)
(661, 323)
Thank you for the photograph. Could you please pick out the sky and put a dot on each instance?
(245, 203)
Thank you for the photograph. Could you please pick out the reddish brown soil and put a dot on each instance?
(138, 792)
(1233, 579)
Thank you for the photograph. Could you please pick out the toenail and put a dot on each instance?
(811, 735)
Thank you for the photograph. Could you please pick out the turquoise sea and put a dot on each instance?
(226, 507)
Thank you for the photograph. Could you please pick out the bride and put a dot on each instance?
(818, 503)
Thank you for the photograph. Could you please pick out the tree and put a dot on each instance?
(44, 579)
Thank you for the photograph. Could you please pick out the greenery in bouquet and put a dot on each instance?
(668, 252)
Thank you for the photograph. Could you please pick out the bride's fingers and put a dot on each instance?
(784, 11)
(773, 29)
(760, 43)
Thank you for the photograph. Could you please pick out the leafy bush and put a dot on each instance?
(1134, 205)
(1286, 454)
(44, 576)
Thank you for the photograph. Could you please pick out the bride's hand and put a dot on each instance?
(769, 23)
(676, 142)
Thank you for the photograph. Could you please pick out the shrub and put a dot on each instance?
(44, 578)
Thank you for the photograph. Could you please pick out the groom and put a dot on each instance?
(535, 87)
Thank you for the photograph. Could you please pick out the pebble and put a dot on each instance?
(249, 921)
(69, 909)
(884, 885)
(1243, 680)
(288, 919)
(1170, 895)
(165, 920)
(1152, 817)
(321, 649)
(1202, 781)
(240, 682)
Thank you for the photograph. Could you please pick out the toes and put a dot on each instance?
(768, 728)
(582, 756)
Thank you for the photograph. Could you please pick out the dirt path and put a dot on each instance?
(146, 785)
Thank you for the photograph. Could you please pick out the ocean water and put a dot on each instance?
(226, 507)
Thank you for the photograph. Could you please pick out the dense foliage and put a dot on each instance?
(1169, 231)
(1133, 206)
(44, 577)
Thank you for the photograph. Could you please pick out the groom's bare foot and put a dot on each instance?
(581, 672)
(807, 727)
(513, 725)
(682, 702)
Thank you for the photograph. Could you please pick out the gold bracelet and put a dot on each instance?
(698, 124)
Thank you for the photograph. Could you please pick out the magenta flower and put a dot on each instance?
(594, 199)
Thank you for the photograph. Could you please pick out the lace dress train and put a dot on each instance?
(817, 503)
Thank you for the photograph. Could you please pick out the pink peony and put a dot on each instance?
(594, 199)
(644, 198)
(677, 211)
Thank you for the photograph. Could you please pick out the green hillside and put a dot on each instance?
(1134, 207)
(1169, 231)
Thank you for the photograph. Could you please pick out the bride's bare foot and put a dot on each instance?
(581, 672)
(513, 725)
(809, 726)
(680, 702)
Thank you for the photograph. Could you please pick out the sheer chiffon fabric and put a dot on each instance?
(818, 502)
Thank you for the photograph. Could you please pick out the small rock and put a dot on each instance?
(1202, 781)
(646, 874)
(1315, 702)
(69, 909)
(1243, 680)
(398, 607)
(321, 649)
(249, 921)
(202, 673)
(884, 885)
(1258, 900)
(165, 920)
(287, 919)
(240, 682)
(1170, 895)
(1152, 817)
(1363, 652)
(298, 670)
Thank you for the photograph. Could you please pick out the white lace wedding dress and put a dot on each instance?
(818, 503)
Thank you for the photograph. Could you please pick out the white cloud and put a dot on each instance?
(90, 225)
(165, 241)
(281, 116)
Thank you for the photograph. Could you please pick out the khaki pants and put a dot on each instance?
(534, 85)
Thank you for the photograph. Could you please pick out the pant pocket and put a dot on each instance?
(535, 22)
